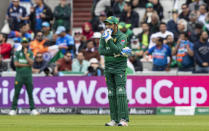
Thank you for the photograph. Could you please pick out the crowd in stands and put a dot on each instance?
(180, 43)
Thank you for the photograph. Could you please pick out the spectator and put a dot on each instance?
(185, 12)
(3, 65)
(184, 52)
(47, 33)
(202, 13)
(94, 69)
(192, 22)
(62, 14)
(90, 51)
(195, 35)
(182, 27)
(163, 33)
(136, 62)
(98, 24)
(155, 24)
(80, 64)
(172, 24)
(37, 45)
(158, 8)
(138, 50)
(87, 31)
(206, 24)
(101, 6)
(148, 14)
(172, 44)
(144, 37)
(194, 6)
(139, 3)
(159, 53)
(201, 53)
(79, 44)
(39, 64)
(64, 64)
(24, 32)
(5, 48)
(170, 41)
(40, 13)
(118, 7)
(123, 27)
(16, 15)
(27, 4)
(65, 40)
(96, 38)
(129, 16)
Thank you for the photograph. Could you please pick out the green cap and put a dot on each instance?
(149, 5)
(112, 20)
(124, 25)
(24, 40)
(121, 25)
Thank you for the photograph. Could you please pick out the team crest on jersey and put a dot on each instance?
(123, 41)
(114, 40)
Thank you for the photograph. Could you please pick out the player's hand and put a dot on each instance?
(25, 51)
(126, 51)
(107, 34)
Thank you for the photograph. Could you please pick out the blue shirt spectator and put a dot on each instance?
(40, 13)
(182, 55)
(184, 52)
(16, 35)
(65, 41)
(16, 15)
(160, 52)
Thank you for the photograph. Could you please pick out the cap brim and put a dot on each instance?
(45, 26)
(58, 32)
(108, 21)
(24, 41)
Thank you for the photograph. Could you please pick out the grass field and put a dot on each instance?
(96, 123)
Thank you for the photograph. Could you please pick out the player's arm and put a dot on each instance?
(102, 48)
(16, 63)
(117, 48)
(29, 57)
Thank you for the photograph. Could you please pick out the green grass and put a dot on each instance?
(96, 123)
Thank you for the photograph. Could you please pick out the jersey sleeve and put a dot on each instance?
(151, 50)
(31, 55)
(102, 48)
(16, 57)
(119, 45)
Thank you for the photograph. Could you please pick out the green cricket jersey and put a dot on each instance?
(20, 57)
(114, 62)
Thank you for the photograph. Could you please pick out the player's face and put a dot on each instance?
(25, 44)
(110, 26)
